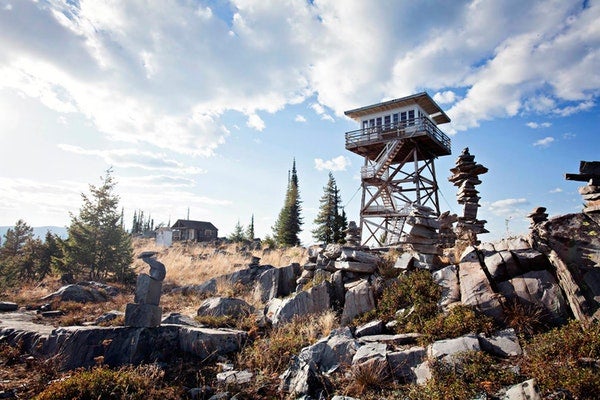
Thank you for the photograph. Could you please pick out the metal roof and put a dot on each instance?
(186, 223)
(422, 99)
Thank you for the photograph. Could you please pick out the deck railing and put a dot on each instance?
(398, 130)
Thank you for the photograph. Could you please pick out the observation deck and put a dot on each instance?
(372, 141)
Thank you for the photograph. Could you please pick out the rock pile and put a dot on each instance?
(422, 235)
(145, 312)
(589, 171)
(537, 216)
(465, 177)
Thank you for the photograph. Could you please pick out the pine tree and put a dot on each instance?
(330, 222)
(238, 233)
(97, 245)
(250, 230)
(288, 224)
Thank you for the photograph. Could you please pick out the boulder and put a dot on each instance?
(531, 259)
(142, 315)
(446, 349)
(315, 300)
(7, 306)
(235, 377)
(405, 261)
(372, 357)
(175, 318)
(403, 363)
(349, 254)
(523, 391)
(332, 251)
(475, 288)
(79, 294)
(332, 352)
(447, 278)
(301, 378)
(399, 339)
(538, 289)
(359, 299)
(370, 328)
(109, 316)
(277, 282)
(504, 343)
(225, 307)
(356, 266)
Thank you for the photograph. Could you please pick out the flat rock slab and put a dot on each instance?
(503, 343)
(446, 349)
(7, 306)
(356, 266)
(81, 346)
(400, 339)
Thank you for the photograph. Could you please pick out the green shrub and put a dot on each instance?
(471, 374)
(102, 383)
(564, 359)
(459, 321)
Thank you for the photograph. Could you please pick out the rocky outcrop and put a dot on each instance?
(313, 301)
(225, 307)
(83, 292)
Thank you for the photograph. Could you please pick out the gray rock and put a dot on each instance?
(331, 352)
(109, 316)
(147, 290)
(403, 363)
(349, 254)
(447, 278)
(475, 288)
(370, 328)
(142, 315)
(277, 282)
(7, 306)
(370, 351)
(315, 300)
(400, 339)
(179, 319)
(78, 294)
(531, 260)
(235, 377)
(338, 292)
(356, 266)
(301, 378)
(343, 398)
(359, 299)
(539, 289)
(332, 251)
(225, 307)
(446, 349)
(405, 261)
(423, 372)
(523, 391)
(504, 343)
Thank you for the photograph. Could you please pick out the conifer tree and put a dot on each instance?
(97, 245)
(330, 222)
(289, 222)
(238, 233)
(250, 230)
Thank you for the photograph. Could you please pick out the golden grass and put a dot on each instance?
(194, 263)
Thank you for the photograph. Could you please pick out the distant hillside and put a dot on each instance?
(38, 231)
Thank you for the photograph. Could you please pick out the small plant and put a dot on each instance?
(470, 374)
(526, 320)
(459, 321)
(560, 360)
(370, 375)
(142, 382)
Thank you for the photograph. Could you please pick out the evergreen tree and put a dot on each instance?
(238, 233)
(250, 230)
(330, 222)
(97, 245)
(289, 222)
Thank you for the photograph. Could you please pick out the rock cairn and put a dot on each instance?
(466, 176)
(537, 216)
(145, 312)
(589, 171)
(353, 234)
(447, 236)
(422, 235)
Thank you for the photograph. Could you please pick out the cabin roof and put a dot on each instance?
(186, 223)
(422, 99)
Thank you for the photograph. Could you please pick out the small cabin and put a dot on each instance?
(195, 231)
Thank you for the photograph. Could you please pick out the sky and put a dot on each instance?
(200, 107)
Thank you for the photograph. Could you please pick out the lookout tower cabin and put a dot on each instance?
(399, 141)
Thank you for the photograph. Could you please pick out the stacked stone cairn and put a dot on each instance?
(145, 312)
(465, 177)
(589, 171)
(537, 216)
(447, 236)
(353, 235)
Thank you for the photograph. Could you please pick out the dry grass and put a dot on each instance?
(193, 263)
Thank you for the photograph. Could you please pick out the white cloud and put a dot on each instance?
(569, 110)
(569, 135)
(545, 142)
(339, 163)
(320, 110)
(536, 125)
(556, 190)
(133, 158)
(255, 122)
(508, 207)
(299, 118)
(447, 97)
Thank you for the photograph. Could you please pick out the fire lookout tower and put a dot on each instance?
(399, 140)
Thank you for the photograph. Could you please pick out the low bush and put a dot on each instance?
(102, 383)
(459, 321)
(471, 374)
(566, 360)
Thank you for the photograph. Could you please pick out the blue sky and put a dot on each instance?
(204, 104)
